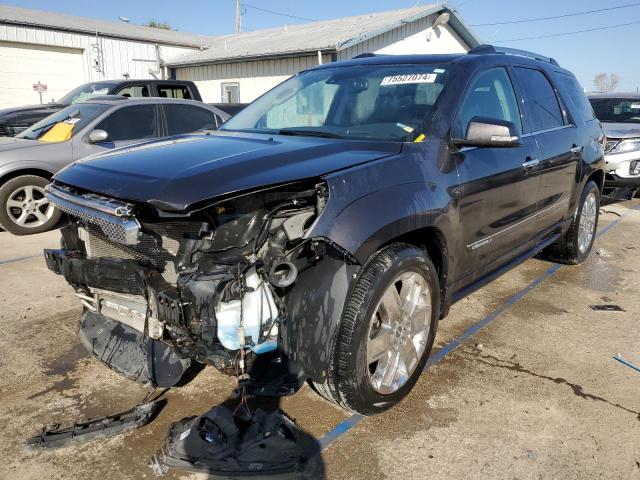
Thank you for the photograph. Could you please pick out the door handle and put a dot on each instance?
(530, 164)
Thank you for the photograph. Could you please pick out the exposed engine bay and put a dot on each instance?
(215, 286)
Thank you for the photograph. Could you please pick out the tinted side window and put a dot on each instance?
(544, 110)
(134, 91)
(131, 123)
(490, 95)
(188, 118)
(174, 91)
(574, 96)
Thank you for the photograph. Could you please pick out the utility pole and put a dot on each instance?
(238, 15)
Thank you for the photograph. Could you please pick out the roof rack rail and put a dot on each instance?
(486, 49)
(109, 97)
(368, 55)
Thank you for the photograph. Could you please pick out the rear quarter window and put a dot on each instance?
(574, 96)
(544, 111)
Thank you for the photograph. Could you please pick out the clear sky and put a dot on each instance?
(614, 50)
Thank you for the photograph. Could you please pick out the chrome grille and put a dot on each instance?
(113, 218)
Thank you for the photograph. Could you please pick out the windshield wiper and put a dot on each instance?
(303, 132)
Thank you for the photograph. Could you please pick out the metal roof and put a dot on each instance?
(629, 95)
(59, 21)
(328, 36)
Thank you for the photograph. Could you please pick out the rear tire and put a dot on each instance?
(381, 350)
(575, 247)
(24, 209)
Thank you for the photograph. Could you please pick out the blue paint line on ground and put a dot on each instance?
(626, 362)
(339, 430)
(346, 425)
(19, 259)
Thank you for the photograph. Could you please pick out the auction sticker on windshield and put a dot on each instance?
(409, 78)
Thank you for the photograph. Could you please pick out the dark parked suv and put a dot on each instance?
(17, 119)
(326, 229)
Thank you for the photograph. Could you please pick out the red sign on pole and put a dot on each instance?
(40, 87)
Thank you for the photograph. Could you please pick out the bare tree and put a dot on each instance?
(156, 24)
(606, 83)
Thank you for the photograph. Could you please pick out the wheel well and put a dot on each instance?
(27, 171)
(598, 177)
(432, 240)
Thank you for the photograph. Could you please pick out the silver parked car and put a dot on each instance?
(619, 114)
(30, 159)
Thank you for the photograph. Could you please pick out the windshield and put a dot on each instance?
(373, 102)
(76, 115)
(85, 91)
(617, 110)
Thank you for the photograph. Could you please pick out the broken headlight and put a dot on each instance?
(627, 146)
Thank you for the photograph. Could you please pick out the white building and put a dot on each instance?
(64, 51)
(241, 67)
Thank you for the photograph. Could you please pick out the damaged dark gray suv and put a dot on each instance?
(323, 231)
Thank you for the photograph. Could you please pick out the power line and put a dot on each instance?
(539, 19)
(566, 33)
(273, 12)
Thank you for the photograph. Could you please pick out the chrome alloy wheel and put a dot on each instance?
(28, 207)
(587, 226)
(398, 332)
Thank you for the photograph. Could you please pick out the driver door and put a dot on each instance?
(124, 126)
(498, 186)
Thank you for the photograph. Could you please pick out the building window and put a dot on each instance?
(231, 92)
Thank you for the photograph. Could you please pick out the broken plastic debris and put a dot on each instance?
(217, 443)
(609, 307)
(57, 436)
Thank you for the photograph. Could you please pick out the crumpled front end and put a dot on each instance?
(214, 286)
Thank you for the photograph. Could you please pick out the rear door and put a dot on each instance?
(134, 90)
(560, 149)
(498, 191)
(173, 91)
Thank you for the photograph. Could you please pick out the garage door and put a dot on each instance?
(22, 65)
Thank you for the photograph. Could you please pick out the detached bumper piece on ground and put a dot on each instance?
(221, 444)
(131, 419)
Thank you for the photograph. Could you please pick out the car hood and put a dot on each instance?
(179, 173)
(17, 112)
(621, 130)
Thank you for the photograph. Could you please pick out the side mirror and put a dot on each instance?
(98, 136)
(489, 132)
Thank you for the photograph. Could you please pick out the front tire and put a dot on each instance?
(24, 208)
(387, 331)
(575, 247)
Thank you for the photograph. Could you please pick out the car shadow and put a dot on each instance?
(617, 195)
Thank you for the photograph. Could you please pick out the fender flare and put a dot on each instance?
(11, 168)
